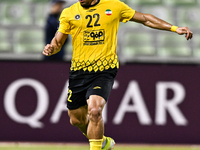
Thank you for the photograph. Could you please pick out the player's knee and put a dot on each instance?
(95, 114)
(95, 108)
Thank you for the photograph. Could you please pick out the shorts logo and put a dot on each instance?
(108, 12)
(97, 87)
(77, 17)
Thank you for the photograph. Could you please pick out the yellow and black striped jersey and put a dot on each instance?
(94, 33)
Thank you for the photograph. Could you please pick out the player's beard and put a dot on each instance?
(86, 4)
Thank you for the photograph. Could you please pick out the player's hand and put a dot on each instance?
(48, 50)
(186, 31)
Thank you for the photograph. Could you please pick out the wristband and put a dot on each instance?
(173, 28)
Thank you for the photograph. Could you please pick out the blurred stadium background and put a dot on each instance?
(22, 39)
(22, 35)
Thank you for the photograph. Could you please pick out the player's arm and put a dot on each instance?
(156, 23)
(56, 44)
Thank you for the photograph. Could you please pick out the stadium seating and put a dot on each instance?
(14, 13)
(189, 16)
(175, 45)
(28, 41)
(196, 46)
(180, 2)
(133, 44)
(4, 42)
(143, 2)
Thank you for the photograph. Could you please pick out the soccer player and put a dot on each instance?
(93, 25)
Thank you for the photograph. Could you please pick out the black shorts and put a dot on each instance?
(81, 86)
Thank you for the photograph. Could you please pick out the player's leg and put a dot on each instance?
(79, 118)
(95, 128)
(98, 94)
(77, 109)
(95, 107)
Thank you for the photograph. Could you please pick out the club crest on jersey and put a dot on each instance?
(108, 12)
(77, 17)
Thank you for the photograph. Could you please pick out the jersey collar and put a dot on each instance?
(92, 5)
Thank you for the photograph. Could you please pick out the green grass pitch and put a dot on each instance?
(86, 147)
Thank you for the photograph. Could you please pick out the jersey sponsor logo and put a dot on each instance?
(77, 17)
(93, 37)
(97, 87)
(108, 12)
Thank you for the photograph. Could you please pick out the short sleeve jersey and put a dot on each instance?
(94, 33)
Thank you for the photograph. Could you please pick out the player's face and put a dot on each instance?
(86, 3)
